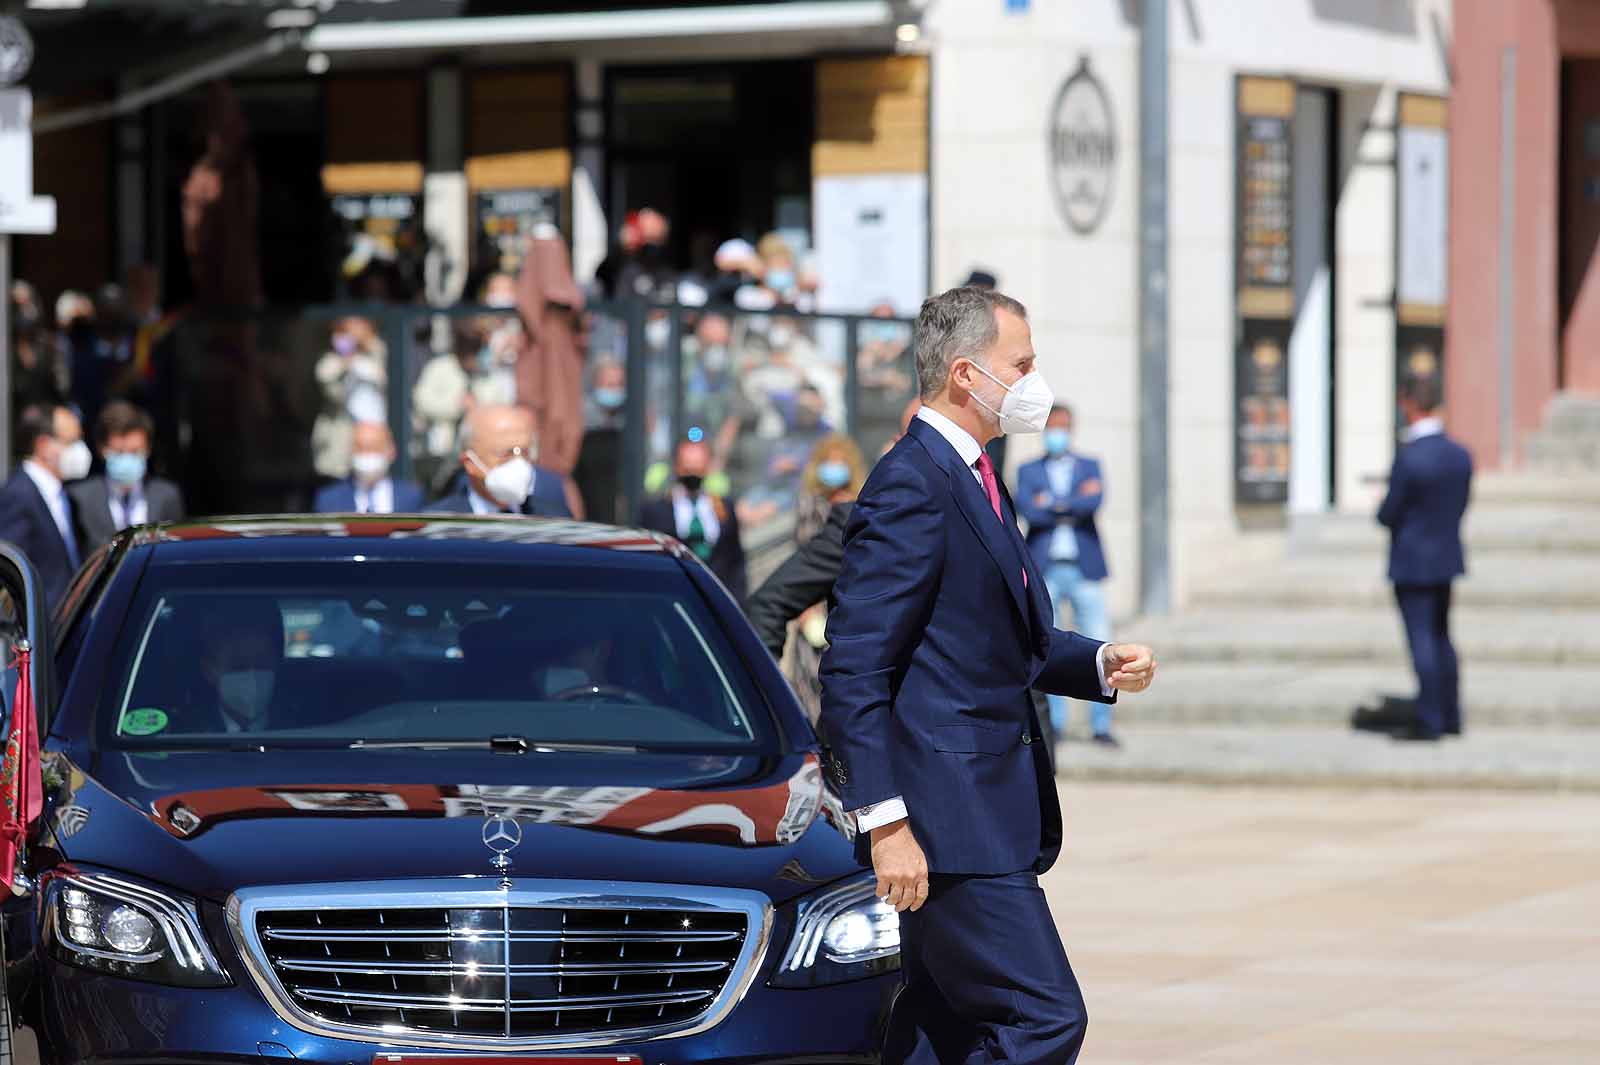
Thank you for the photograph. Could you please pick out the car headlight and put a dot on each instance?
(841, 933)
(116, 926)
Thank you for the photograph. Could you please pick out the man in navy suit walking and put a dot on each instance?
(1059, 495)
(1428, 491)
(370, 489)
(941, 624)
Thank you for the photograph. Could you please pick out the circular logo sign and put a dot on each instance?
(16, 50)
(1083, 150)
(501, 834)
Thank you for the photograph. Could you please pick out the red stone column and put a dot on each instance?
(1579, 35)
(1483, 29)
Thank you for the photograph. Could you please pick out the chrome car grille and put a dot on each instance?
(493, 969)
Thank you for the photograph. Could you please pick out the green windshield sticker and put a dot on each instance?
(146, 721)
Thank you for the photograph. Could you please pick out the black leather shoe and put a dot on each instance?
(1106, 739)
(1415, 734)
(1384, 719)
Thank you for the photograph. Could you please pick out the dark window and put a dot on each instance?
(332, 653)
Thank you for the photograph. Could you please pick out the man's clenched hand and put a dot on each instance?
(901, 866)
(1130, 667)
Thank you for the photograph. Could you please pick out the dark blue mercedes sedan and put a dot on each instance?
(364, 790)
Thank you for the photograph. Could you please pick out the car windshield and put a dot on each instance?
(387, 653)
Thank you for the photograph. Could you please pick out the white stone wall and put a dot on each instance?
(995, 76)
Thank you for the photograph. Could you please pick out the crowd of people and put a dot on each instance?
(518, 403)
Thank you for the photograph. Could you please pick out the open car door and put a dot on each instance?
(26, 658)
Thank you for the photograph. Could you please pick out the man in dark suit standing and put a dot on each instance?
(941, 624)
(499, 477)
(707, 524)
(1428, 491)
(36, 513)
(1059, 495)
(369, 489)
(125, 495)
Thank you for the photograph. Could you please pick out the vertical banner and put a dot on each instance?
(1422, 214)
(1264, 289)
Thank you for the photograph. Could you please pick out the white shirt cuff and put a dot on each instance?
(878, 814)
(1100, 667)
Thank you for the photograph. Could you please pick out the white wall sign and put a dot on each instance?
(1424, 153)
(1083, 150)
(20, 210)
(872, 242)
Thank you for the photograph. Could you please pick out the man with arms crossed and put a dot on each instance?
(941, 625)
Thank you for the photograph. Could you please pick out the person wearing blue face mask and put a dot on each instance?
(1059, 495)
(125, 495)
(828, 484)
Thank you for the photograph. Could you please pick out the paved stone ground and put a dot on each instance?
(1531, 759)
(1331, 927)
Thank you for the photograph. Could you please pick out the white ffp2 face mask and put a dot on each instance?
(510, 482)
(1026, 406)
(75, 461)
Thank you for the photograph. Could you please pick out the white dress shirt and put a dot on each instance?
(55, 497)
(684, 510)
(887, 812)
(128, 505)
(1424, 427)
(379, 498)
(1064, 538)
(481, 505)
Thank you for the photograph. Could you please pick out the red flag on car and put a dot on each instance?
(19, 773)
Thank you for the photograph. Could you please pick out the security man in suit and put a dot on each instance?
(1428, 491)
(370, 489)
(125, 495)
(497, 453)
(707, 524)
(36, 513)
(1059, 495)
(941, 624)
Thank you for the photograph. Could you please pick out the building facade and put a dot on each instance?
(1316, 177)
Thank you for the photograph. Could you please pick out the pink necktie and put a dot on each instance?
(991, 488)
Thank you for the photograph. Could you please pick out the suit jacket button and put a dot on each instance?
(1027, 737)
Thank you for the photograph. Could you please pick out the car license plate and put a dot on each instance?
(506, 1059)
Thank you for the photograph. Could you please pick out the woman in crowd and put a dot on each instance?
(833, 476)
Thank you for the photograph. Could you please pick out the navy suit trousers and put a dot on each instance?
(1426, 611)
(986, 978)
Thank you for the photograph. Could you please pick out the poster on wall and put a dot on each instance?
(1422, 212)
(502, 221)
(1264, 284)
(381, 243)
(872, 242)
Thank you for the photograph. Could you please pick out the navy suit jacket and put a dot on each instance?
(340, 497)
(1428, 491)
(1076, 511)
(548, 498)
(727, 554)
(25, 521)
(934, 642)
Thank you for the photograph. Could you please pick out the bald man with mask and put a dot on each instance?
(499, 475)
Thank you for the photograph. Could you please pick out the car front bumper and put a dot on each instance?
(88, 1017)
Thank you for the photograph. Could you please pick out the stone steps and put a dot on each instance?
(1537, 581)
(1533, 527)
(1267, 692)
(1344, 636)
(1569, 440)
(1508, 759)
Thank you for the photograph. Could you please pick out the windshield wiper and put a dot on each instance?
(499, 745)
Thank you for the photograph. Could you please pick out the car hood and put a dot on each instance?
(209, 822)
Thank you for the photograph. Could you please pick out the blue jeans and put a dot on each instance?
(1069, 586)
